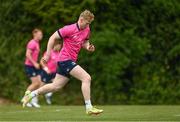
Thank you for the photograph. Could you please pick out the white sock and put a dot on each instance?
(88, 104)
(35, 100)
(34, 93)
(48, 94)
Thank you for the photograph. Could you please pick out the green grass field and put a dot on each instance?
(77, 113)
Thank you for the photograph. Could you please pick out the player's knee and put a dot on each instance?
(87, 79)
(36, 84)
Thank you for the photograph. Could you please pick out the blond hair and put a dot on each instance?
(87, 15)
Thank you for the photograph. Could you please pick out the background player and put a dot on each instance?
(49, 70)
(32, 66)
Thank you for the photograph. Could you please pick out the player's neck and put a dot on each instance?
(37, 40)
(55, 50)
(78, 26)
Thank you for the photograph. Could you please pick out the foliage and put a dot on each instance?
(137, 58)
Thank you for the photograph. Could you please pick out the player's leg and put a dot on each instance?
(34, 76)
(34, 102)
(44, 79)
(85, 78)
(48, 78)
(59, 82)
(35, 83)
(48, 97)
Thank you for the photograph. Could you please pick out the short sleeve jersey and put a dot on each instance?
(73, 39)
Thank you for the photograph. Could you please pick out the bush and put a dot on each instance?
(137, 48)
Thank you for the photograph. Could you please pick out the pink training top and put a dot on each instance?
(52, 62)
(33, 45)
(73, 38)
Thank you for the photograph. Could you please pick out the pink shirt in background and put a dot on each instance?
(33, 45)
(52, 62)
(73, 38)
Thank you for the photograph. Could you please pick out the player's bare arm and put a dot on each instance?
(44, 66)
(50, 45)
(29, 56)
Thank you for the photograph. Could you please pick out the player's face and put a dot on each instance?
(84, 23)
(57, 47)
(39, 35)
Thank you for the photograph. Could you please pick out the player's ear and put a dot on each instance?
(81, 19)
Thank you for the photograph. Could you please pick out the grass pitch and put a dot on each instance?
(77, 113)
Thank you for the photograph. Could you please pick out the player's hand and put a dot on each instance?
(91, 48)
(46, 58)
(37, 66)
(43, 62)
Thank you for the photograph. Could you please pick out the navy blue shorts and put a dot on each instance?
(64, 67)
(31, 71)
(47, 78)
